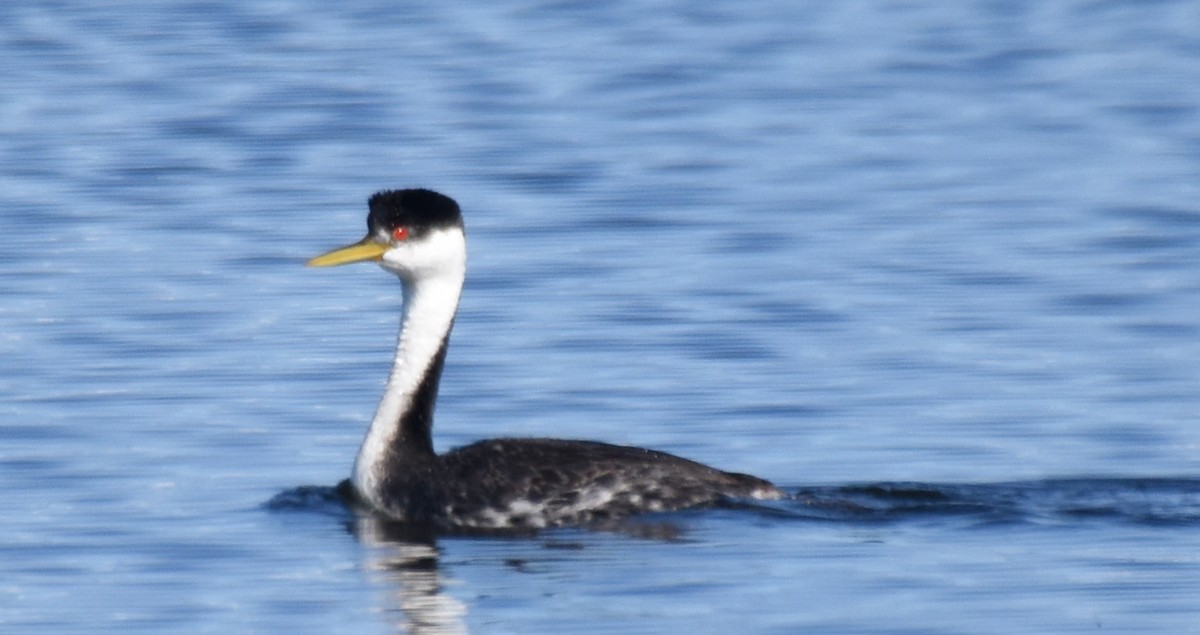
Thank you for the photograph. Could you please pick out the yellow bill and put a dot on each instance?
(365, 249)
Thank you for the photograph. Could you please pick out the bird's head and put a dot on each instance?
(412, 233)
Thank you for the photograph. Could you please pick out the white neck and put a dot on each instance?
(431, 296)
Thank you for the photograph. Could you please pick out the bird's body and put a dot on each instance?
(533, 483)
(501, 483)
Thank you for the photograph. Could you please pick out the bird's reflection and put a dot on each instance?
(408, 557)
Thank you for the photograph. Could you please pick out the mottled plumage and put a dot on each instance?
(532, 483)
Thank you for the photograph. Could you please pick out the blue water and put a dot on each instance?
(931, 268)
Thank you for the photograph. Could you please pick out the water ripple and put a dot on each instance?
(1142, 501)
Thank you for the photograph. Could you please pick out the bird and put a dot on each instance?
(497, 484)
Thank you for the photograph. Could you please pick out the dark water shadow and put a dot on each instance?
(1062, 501)
(408, 557)
(1151, 501)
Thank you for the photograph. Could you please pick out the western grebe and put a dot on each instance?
(418, 235)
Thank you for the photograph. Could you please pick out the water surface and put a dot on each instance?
(933, 270)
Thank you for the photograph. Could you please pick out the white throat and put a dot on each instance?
(432, 273)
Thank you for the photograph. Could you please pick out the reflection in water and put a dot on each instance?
(409, 557)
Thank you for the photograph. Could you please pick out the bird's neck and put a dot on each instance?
(400, 433)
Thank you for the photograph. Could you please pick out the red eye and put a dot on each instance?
(400, 233)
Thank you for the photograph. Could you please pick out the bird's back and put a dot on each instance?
(530, 483)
